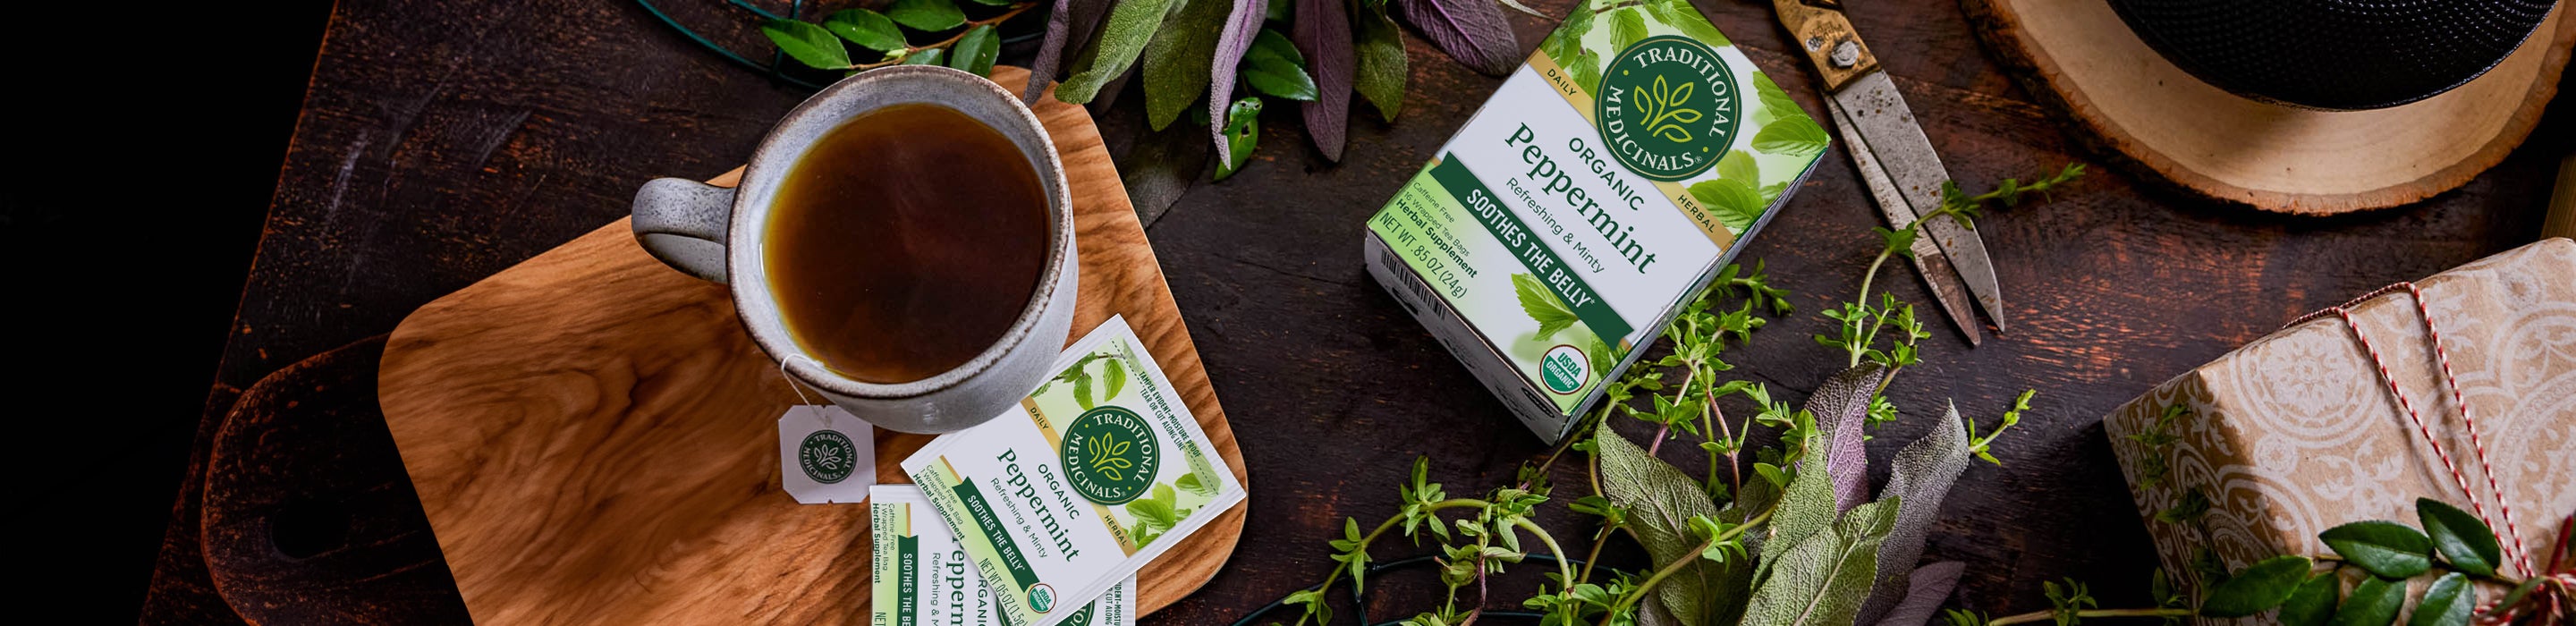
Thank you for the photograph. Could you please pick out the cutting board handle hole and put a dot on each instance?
(304, 528)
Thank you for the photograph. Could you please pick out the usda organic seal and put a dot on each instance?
(827, 456)
(1564, 369)
(1041, 597)
(1668, 107)
(1110, 455)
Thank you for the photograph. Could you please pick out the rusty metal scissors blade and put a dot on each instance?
(1884, 137)
(1929, 261)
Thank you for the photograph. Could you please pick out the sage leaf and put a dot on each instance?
(1325, 36)
(2260, 587)
(1131, 23)
(1274, 67)
(1241, 130)
(1542, 305)
(1069, 27)
(2464, 540)
(927, 15)
(1735, 582)
(1841, 406)
(1627, 27)
(1924, 473)
(1159, 168)
(1736, 205)
(1177, 60)
(1791, 136)
(867, 28)
(2313, 602)
(807, 43)
(1928, 587)
(1472, 31)
(1241, 27)
(1823, 580)
(2374, 602)
(1680, 15)
(2446, 603)
(975, 51)
(1806, 508)
(1660, 501)
(2386, 548)
(1379, 52)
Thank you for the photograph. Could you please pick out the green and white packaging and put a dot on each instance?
(1593, 196)
(921, 577)
(1092, 476)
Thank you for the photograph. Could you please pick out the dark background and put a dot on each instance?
(151, 145)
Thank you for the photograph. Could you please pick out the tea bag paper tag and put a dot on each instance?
(826, 455)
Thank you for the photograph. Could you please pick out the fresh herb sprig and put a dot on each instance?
(972, 46)
(1788, 543)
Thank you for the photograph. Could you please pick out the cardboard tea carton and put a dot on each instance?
(2253, 454)
(1615, 172)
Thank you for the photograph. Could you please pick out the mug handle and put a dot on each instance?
(683, 223)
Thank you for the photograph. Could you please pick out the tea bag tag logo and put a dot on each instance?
(1111, 455)
(825, 455)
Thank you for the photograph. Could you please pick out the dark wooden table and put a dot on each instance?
(442, 141)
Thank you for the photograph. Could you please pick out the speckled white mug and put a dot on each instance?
(715, 233)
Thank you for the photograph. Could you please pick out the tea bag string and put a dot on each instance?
(800, 389)
(2512, 535)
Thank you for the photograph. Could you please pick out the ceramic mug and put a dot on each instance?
(716, 234)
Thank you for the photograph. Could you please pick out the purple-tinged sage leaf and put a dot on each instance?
(1241, 27)
(1471, 31)
(1924, 472)
(1841, 406)
(1059, 33)
(1929, 586)
(1159, 168)
(1324, 34)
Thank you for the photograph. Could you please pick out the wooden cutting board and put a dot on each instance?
(592, 434)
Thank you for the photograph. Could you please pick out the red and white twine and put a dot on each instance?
(2512, 535)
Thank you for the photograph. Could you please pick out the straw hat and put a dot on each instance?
(2298, 106)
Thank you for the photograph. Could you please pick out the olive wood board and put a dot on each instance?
(592, 434)
(2144, 113)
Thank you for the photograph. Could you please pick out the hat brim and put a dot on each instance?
(2152, 118)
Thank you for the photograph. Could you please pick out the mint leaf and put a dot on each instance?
(1792, 136)
(1542, 305)
(1680, 15)
(807, 43)
(1587, 72)
(1738, 166)
(1627, 27)
(1115, 373)
(1775, 103)
(1566, 42)
(927, 15)
(867, 28)
(1735, 204)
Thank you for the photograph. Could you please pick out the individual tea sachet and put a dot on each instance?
(921, 577)
(1092, 476)
(1594, 196)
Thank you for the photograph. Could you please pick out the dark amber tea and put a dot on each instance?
(905, 242)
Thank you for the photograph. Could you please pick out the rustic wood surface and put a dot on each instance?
(443, 142)
(592, 432)
(2145, 114)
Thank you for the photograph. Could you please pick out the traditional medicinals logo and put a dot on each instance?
(1110, 455)
(827, 456)
(1667, 107)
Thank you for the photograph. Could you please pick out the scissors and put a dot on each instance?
(1895, 160)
